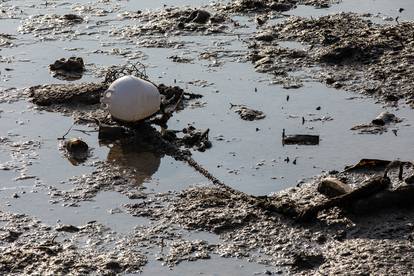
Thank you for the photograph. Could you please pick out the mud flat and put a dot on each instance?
(379, 63)
(168, 195)
(351, 237)
(339, 240)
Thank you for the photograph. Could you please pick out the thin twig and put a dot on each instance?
(67, 132)
(86, 132)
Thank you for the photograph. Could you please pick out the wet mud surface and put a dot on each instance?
(351, 240)
(30, 247)
(222, 179)
(377, 63)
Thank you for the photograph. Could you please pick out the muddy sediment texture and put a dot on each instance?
(30, 247)
(82, 101)
(54, 94)
(243, 6)
(151, 26)
(350, 241)
(6, 40)
(341, 240)
(378, 63)
(50, 25)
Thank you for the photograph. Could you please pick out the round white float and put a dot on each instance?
(131, 99)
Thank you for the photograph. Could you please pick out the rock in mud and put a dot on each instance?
(196, 139)
(77, 150)
(248, 114)
(385, 118)
(72, 64)
(68, 69)
(332, 187)
(379, 125)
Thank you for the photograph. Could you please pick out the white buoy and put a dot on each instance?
(131, 99)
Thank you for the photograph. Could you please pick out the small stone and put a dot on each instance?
(332, 187)
(384, 118)
(72, 64)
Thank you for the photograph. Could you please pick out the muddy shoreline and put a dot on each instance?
(348, 226)
(376, 64)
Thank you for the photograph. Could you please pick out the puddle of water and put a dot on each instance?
(48, 163)
(156, 4)
(246, 159)
(200, 235)
(155, 172)
(235, 160)
(214, 266)
(292, 45)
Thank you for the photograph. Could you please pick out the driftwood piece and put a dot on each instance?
(368, 164)
(402, 197)
(373, 186)
(300, 139)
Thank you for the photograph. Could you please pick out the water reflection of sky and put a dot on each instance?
(244, 158)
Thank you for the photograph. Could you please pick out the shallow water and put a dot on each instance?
(248, 156)
(382, 9)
